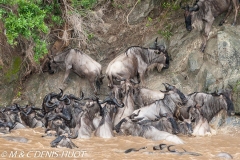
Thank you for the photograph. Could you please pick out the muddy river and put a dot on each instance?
(227, 139)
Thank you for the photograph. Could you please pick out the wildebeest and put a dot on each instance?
(105, 126)
(10, 118)
(135, 62)
(144, 96)
(211, 104)
(81, 64)
(201, 125)
(130, 127)
(207, 106)
(165, 107)
(32, 116)
(128, 101)
(63, 141)
(203, 14)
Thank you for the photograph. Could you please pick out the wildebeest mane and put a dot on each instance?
(230, 106)
(192, 93)
(135, 47)
(168, 102)
(182, 96)
(212, 105)
(77, 50)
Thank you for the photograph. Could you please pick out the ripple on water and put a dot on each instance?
(98, 148)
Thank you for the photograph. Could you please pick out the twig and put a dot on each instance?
(132, 10)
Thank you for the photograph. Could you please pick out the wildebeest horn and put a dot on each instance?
(53, 105)
(165, 85)
(170, 87)
(112, 101)
(182, 7)
(118, 126)
(194, 8)
(60, 94)
(155, 43)
(71, 96)
(134, 115)
(170, 149)
(159, 147)
(65, 99)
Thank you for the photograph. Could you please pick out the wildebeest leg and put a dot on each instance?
(141, 76)
(236, 7)
(228, 13)
(174, 125)
(205, 33)
(93, 84)
(68, 67)
(110, 83)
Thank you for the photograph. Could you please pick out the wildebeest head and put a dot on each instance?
(163, 49)
(169, 88)
(52, 66)
(188, 11)
(56, 61)
(127, 122)
(227, 95)
(117, 92)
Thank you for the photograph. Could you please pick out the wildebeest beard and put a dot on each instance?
(230, 106)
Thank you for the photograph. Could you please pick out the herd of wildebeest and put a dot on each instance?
(130, 107)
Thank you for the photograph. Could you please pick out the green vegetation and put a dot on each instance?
(85, 4)
(26, 19)
(13, 72)
(90, 36)
(149, 21)
(33, 20)
(166, 32)
(170, 5)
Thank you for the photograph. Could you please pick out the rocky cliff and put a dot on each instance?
(190, 70)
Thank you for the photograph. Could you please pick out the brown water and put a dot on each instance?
(226, 140)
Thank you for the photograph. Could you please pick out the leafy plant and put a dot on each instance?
(26, 19)
(149, 21)
(85, 4)
(90, 36)
(19, 94)
(166, 4)
(166, 32)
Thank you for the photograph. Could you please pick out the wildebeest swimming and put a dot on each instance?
(165, 107)
(81, 64)
(130, 126)
(68, 117)
(203, 14)
(135, 62)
